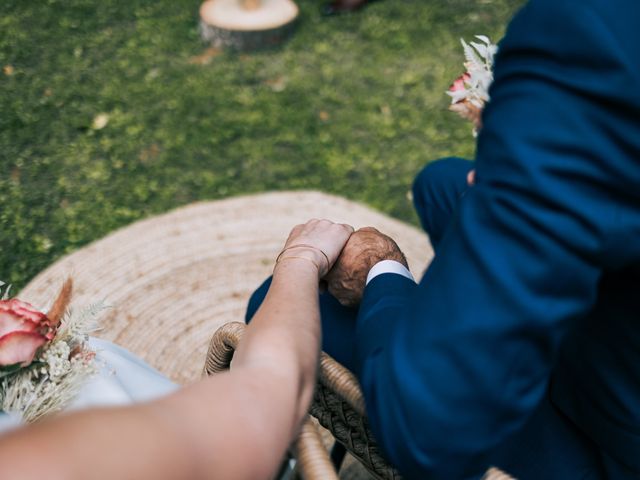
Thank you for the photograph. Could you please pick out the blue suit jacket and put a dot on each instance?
(536, 280)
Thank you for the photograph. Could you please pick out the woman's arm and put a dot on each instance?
(234, 425)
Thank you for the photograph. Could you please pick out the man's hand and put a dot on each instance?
(365, 248)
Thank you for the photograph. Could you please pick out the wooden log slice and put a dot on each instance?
(247, 24)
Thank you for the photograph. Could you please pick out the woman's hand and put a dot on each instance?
(319, 241)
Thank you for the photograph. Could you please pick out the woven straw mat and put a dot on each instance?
(173, 279)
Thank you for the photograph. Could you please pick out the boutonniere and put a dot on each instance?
(470, 91)
(44, 358)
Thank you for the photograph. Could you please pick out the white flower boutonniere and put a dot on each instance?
(470, 91)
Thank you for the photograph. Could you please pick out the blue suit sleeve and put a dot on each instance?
(466, 357)
(386, 299)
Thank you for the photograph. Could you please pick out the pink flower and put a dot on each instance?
(23, 330)
(459, 83)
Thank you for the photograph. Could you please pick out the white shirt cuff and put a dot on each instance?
(389, 266)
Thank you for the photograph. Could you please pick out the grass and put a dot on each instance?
(352, 106)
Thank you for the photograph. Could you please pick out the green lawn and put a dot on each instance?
(351, 105)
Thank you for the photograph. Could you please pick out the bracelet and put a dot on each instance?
(303, 258)
(299, 245)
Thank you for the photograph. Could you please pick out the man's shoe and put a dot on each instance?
(342, 6)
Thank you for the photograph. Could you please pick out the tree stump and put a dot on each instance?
(247, 24)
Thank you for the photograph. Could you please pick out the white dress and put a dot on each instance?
(123, 379)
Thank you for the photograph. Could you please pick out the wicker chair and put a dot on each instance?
(338, 405)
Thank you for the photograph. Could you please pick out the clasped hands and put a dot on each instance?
(342, 256)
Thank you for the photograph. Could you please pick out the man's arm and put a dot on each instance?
(453, 375)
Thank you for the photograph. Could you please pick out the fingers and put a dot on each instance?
(325, 236)
(323, 232)
(316, 223)
(323, 222)
(346, 298)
